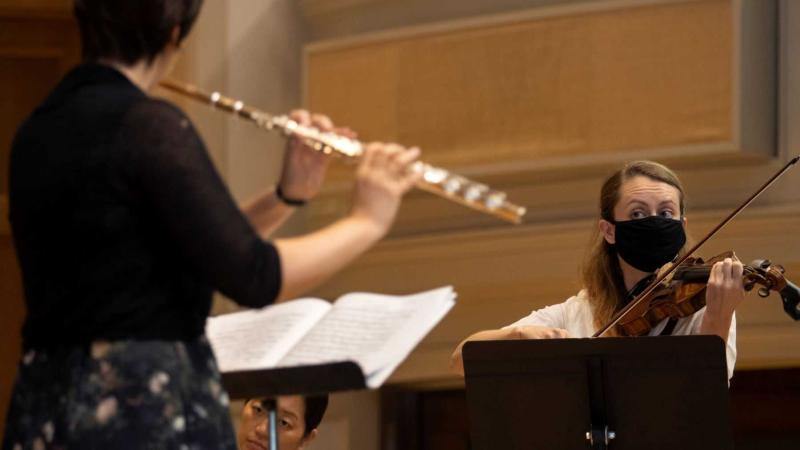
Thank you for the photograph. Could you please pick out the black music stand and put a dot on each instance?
(299, 380)
(649, 393)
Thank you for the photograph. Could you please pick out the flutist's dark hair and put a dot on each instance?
(130, 30)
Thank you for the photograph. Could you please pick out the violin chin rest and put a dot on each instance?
(791, 300)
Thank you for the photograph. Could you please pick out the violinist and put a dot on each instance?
(642, 227)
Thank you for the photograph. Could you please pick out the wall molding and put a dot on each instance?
(752, 143)
(564, 9)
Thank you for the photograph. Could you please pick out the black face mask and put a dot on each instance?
(649, 243)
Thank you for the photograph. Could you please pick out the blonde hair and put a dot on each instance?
(602, 274)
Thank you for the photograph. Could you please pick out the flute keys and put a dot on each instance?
(434, 175)
(475, 191)
(495, 199)
(453, 185)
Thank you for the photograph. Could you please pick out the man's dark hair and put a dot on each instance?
(315, 409)
(129, 30)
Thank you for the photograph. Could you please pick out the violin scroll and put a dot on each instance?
(770, 277)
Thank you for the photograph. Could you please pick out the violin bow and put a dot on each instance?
(651, 287)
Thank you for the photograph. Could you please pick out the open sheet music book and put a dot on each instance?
(375, 331)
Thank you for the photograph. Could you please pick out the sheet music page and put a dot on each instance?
(259, 338)
(371, 329)
(396, 351)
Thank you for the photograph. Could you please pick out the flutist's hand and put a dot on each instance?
(303, 167)
(383, 176)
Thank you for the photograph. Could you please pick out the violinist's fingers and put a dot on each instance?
(715, 274)
(732, 271)
(561, 333)
(538, 332)
(727, 271)
(556, 333)
(737, 269)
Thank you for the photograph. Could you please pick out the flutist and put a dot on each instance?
(123, 230)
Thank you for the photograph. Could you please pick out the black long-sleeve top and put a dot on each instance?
(122, 226)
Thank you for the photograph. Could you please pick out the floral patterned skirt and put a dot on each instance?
(120, 395)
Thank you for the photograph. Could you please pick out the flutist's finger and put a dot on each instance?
(410, 177)
(407, 158)
(381, 182)
(393, 162)
(346, 132)
(301, 116)
(321, 122)
(368, 155)
(380, 155)
(303, 166)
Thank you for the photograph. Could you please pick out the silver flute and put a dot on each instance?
(457, 188)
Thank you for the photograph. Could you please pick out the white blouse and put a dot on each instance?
(575, 316)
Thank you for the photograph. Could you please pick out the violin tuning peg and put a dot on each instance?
(765, 264)
(763, 292)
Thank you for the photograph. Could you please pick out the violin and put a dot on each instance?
(679, 289)
(683, 293)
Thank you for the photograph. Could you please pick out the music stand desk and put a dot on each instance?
(300, 380)
(649, 393)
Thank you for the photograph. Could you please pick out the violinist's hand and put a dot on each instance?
(535, 332)
(724, 293)
(303, 167)
(725, 290)
(383, 177)
(516, 332)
